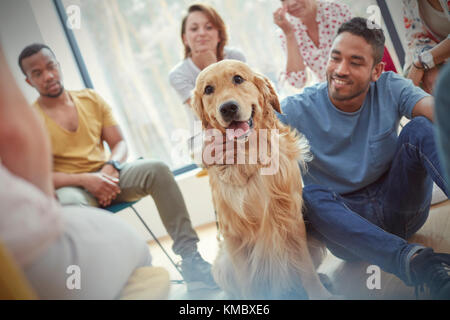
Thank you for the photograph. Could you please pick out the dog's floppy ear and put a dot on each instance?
(197, 105)
(268, 92)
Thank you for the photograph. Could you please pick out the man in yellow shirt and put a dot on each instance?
(78, 122)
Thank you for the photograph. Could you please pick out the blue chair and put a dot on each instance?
(124, 205)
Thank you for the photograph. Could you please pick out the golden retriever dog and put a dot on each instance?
(264, 253)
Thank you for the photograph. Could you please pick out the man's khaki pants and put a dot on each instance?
(141, 178)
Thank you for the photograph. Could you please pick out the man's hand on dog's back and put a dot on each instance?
(215, 151)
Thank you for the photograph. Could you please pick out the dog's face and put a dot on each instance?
(229, 95)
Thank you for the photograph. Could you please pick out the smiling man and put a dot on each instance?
(78, 122)
(368, 188)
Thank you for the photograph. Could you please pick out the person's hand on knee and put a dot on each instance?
(103, 187)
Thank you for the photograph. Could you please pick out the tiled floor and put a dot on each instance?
(208, 247)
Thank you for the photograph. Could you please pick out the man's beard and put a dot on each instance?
(56, 95)
(336, 96)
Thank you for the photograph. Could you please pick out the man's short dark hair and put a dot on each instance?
(371, 32)
(28, 51)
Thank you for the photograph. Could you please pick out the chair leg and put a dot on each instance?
(156, 239)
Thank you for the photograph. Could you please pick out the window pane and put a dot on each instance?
(129, 47)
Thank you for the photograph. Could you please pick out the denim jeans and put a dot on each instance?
(371, 224)
(442, 114)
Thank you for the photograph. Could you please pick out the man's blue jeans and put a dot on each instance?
(372, 224)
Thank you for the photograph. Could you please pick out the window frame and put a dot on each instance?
(84, 71)
(387, 17)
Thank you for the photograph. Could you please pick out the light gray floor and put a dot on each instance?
(207, 247)
(180, 292)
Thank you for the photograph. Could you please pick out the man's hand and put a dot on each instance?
(109, 170)
(218, 149)
(214, 148)
(103, 187)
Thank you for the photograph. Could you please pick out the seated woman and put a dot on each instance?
(48, 241)
(427, 24)
(309, 27)
(204, 37)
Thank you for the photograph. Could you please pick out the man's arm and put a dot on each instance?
(83, 180)
(105, 184)
(424, 107)
(61, 179)
(103, 187)
(114, 138)
(119, 150)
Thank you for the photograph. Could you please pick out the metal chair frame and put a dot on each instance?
(123, 205)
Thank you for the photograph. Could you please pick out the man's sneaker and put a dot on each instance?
(432, 270)
(197, 273)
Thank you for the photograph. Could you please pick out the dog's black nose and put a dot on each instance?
(228, 110)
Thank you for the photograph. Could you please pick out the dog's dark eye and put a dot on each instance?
(237, 79)
(209, 89)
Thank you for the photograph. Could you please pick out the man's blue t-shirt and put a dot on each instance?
(351, 150)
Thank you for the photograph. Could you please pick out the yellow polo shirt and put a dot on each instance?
(82, 150)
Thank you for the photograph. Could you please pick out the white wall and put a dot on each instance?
(23, 22)
(17, 29)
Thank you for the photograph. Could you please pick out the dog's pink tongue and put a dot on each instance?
(237, 129)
